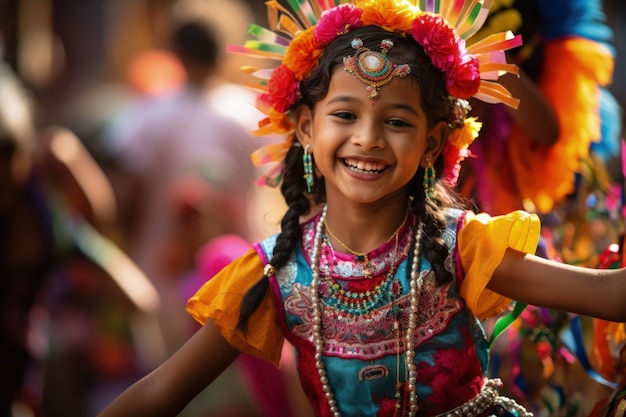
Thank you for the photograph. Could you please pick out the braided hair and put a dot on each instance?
(437, 106)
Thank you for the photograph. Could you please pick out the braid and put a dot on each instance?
(292, 188)
(434, 247)
(434, 223)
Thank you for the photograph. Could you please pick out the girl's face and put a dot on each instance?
(367, 150)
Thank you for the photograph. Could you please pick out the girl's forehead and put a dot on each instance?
(348, 88)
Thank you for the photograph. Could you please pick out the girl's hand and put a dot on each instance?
(537, 281)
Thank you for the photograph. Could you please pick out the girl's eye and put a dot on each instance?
(344, 115)
(398, 123)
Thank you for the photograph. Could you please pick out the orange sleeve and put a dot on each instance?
(220, 298)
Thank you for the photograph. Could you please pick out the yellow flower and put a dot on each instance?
(464, 136)
(392, 15)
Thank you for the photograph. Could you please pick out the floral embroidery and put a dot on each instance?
(376, 336)
(447, 380)
(435, 309)
(369, 342)
(299, 304)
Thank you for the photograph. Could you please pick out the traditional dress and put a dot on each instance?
(365, 309)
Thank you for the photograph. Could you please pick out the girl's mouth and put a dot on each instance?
(364, 167)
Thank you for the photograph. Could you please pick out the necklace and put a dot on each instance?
(318, 339)
(362, 256)
(360, 302)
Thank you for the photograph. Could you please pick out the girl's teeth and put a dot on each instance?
(363, 166)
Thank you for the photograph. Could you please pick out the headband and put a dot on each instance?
(301, 33)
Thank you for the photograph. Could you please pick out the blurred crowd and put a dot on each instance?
(125, 148)
(126, 182)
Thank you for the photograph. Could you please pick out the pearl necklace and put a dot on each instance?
(318, 340)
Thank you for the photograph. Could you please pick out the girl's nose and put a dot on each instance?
(368, 136)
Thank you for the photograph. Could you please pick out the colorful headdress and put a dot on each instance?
(299, 37)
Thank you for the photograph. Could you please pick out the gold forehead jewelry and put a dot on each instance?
(373, 68)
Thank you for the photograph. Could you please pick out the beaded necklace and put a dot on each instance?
(318, 340)
(361, 302)
(362, 256)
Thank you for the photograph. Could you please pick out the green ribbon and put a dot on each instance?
(505, 321)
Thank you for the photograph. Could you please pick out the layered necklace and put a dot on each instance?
(361, 257)
(318, 340)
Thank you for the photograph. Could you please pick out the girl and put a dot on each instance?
(380, 274)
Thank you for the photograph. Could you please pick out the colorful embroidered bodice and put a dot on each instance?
(363, 354)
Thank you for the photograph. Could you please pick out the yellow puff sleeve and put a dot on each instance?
(219, 299)
(482, 242)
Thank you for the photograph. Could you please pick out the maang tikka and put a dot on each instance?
(373, 68)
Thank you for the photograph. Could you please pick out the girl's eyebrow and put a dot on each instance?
(343, 99)
(351, 99)
(404, 106)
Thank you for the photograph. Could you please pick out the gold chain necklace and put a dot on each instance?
(362, 256)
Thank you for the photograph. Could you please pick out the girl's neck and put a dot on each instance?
(363, 229)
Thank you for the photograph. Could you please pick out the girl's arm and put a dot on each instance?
(170, 387)
(536, 281)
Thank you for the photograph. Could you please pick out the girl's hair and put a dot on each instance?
(437, 106)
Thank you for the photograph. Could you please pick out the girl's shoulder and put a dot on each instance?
(454, 222)
(265, 247)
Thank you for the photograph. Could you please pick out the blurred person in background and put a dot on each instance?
(66, 298)
(186, 178)
(227, 93)
(187, 173)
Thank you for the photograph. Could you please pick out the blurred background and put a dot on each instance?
(68, 51)
(124, 153)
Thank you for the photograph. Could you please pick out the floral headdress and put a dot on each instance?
(299, 37)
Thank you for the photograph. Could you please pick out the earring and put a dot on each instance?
(308, 168)
(429, 180)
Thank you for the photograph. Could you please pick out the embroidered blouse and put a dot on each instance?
(363, 354)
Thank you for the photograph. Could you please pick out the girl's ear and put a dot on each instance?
(435, 142)
(303, 121)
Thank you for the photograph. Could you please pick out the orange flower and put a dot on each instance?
(302, 53)
(392, 15)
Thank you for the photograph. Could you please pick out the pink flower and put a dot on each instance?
(452, 158)
(463, 79)
(282, 88)
(438, 39)
(337, 21)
